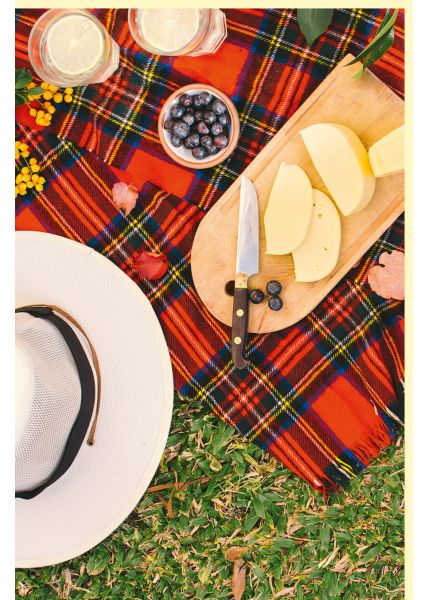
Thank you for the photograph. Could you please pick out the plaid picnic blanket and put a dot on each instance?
(324, 396)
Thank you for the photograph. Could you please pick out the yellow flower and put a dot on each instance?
(17, 144)
(44, 85)
(39, 187)
(25, 154)
(42, 180)
(22, 186)
(53, 88)
(23, 192)
(68, 98)
(34, 178)
(23, 147)
(47, 95)
(18, 178)
(33, 112)
(25, 170)
(30, 184)
(33, 161)
(31, 85)
(26, 178)
(35, 168)
(68, 91)
(57, 98)
(51, 110)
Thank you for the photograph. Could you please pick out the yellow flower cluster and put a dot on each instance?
(28, 176)
(43, 116)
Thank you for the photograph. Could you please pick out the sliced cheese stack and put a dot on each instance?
(387, 154)
(317, 256)
(343, 164)
(289, 210)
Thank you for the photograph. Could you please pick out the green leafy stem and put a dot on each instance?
(23, 95)
(313, 22)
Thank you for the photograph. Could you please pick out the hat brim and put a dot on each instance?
(106, 480)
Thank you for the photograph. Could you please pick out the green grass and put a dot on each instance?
(350, 546)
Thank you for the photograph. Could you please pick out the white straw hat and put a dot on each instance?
(94, 396)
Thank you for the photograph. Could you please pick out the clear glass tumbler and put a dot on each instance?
(178, 31)
(70, 47)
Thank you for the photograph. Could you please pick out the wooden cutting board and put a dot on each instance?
(371, 109)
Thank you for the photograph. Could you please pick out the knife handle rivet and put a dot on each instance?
(240, 312)
(237, 340)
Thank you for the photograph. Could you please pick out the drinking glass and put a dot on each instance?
(70, 47)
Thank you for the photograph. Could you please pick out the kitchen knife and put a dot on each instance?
(247, 264)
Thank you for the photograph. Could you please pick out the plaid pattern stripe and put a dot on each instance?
(323, 396)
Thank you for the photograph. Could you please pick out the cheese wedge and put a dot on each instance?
(317, 256)
(343, 164)
(387, 154)
(289, 210)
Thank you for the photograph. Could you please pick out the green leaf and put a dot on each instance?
(380, 44)
(259, 506)
(23, 82)
(36, 91)
(98, 561)
(20, 99)
(371, 554)
(20, 73)
(313, 22)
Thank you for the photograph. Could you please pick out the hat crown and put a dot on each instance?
(47, 401)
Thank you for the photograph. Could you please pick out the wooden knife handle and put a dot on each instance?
(239, 327)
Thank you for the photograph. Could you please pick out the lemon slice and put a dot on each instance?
(74, 45)
(169, 29)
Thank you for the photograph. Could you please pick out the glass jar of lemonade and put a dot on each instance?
(70, 47)
(178, 31)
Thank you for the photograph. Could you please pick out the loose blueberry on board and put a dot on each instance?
(273, 288)
(256, 296)
(275, 303)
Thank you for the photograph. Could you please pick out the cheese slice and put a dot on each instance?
(343, 164)
(387, 154)
(317, 256)
(289, 210)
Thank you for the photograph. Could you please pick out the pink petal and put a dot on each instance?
(124, 196)
(388, 280)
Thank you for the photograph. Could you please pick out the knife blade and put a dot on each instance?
(247, 264)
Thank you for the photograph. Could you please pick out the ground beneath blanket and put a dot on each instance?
(350, 546)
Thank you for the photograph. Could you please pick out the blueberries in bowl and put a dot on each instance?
(200, 122)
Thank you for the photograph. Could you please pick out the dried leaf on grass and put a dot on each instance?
(235, 552)
(239, 578)
(387, 278)
(68, 584)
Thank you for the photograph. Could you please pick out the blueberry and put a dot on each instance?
(206, 141)
(273, 288)
(209, 117)
(199, 115)
(221, 141)
(185, 100)
(199, 153)
(168, 124)
(176, 141)
(218, 107)
(188, 119)
(256, 296)
(275, 303)
(197, 101)
(216, 128)
(177, 111)
(191, 141)
(180, 129)
(223, 119)
(211, 150)
(190, 110)
(206, 98)
(202, 129)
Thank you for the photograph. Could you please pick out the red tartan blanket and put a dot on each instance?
(323, 396)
